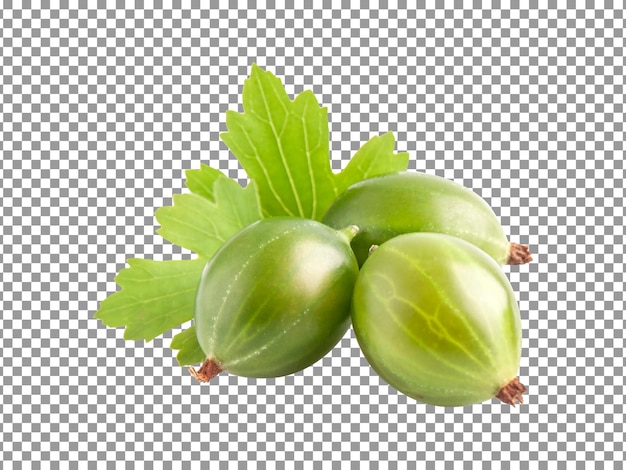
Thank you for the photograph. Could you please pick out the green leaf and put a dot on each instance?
(283, 146)
(202, 223)
(376, 157)
(155, 297)
(189, 351)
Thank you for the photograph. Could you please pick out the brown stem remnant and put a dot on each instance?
(512, 392)
(519, 254)
(207, 371)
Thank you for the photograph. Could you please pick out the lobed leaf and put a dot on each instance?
(155, 297)
(283, 146)
(203, 224)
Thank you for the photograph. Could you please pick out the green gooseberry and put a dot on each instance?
(275, 298)
(404, 202)
(438, 320)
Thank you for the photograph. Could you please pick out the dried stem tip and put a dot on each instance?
(207, 371)
(519, 254)
(512, 392)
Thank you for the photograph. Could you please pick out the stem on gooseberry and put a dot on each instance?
(207, 371)
(519, 254)
(512, 392)
(349, 232)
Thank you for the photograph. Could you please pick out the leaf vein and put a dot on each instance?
(282, 154)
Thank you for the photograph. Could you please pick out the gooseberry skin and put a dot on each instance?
(275, 298)
(438, 320)
(404, 202)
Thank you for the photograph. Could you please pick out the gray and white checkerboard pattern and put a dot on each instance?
(105, 104)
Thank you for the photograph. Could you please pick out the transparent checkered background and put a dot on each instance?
(105, 104)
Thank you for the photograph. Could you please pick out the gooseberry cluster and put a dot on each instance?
(412, 261)
(284, 265)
